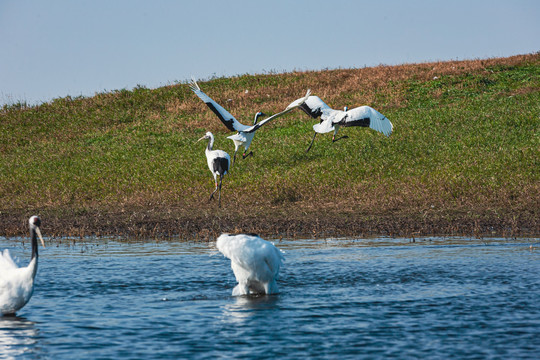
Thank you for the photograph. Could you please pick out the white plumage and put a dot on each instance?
(254, 261)
(218, 162)
(245, 133)
(17, 284)
(332, 120)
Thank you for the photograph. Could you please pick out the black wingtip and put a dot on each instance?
(314, 113)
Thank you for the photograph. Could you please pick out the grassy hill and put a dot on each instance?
(463, 158)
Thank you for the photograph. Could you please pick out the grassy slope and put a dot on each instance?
(463, 156)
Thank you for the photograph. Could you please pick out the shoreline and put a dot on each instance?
(177, 224)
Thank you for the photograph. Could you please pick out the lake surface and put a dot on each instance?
(452, 298)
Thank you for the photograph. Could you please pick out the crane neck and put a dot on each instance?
(210, 143)
(34, 244)
(256, 118)
(32, 267)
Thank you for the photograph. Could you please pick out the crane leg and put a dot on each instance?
(212, 195)
(234, 156)
(219, 194)
(245, 156)
(312, 140)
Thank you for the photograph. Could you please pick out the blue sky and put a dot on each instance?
(56, 48)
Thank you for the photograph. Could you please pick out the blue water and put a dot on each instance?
(438, 298)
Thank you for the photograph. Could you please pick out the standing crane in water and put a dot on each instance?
(255, 263)
(17, 283)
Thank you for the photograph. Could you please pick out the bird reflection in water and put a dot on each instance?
(245, 308)
(18, 337)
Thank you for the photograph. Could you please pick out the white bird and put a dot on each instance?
(17, 284)
(332, 120)
(254, 261)
(218, 161)
(245, 133)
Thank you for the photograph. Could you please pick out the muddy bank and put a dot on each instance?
(180, 224)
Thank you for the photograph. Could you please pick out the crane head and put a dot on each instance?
(257, 115)
(35, 223)
(208, 135)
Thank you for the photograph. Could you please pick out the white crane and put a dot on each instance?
(332, 120)
(245, 133)
(218, 161)
(254, 261)
(17, 284)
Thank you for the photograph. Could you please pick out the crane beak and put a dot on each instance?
(204, 137)
(38, 232)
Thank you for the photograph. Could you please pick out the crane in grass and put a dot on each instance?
(255, 263)
(245, 133)
(332, 120)
(219, 163)
(17, 283)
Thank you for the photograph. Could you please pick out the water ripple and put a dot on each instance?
(346, 298)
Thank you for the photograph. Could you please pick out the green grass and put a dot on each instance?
(465, 146)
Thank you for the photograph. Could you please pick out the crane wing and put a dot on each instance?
(291, 106)
(313, 106)
(250, 252)
(226, 118)
(238, 137)
(274, 261)
(324, 126)
(367, 117)
(329, 117)
(10, 274)
(6, 262)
